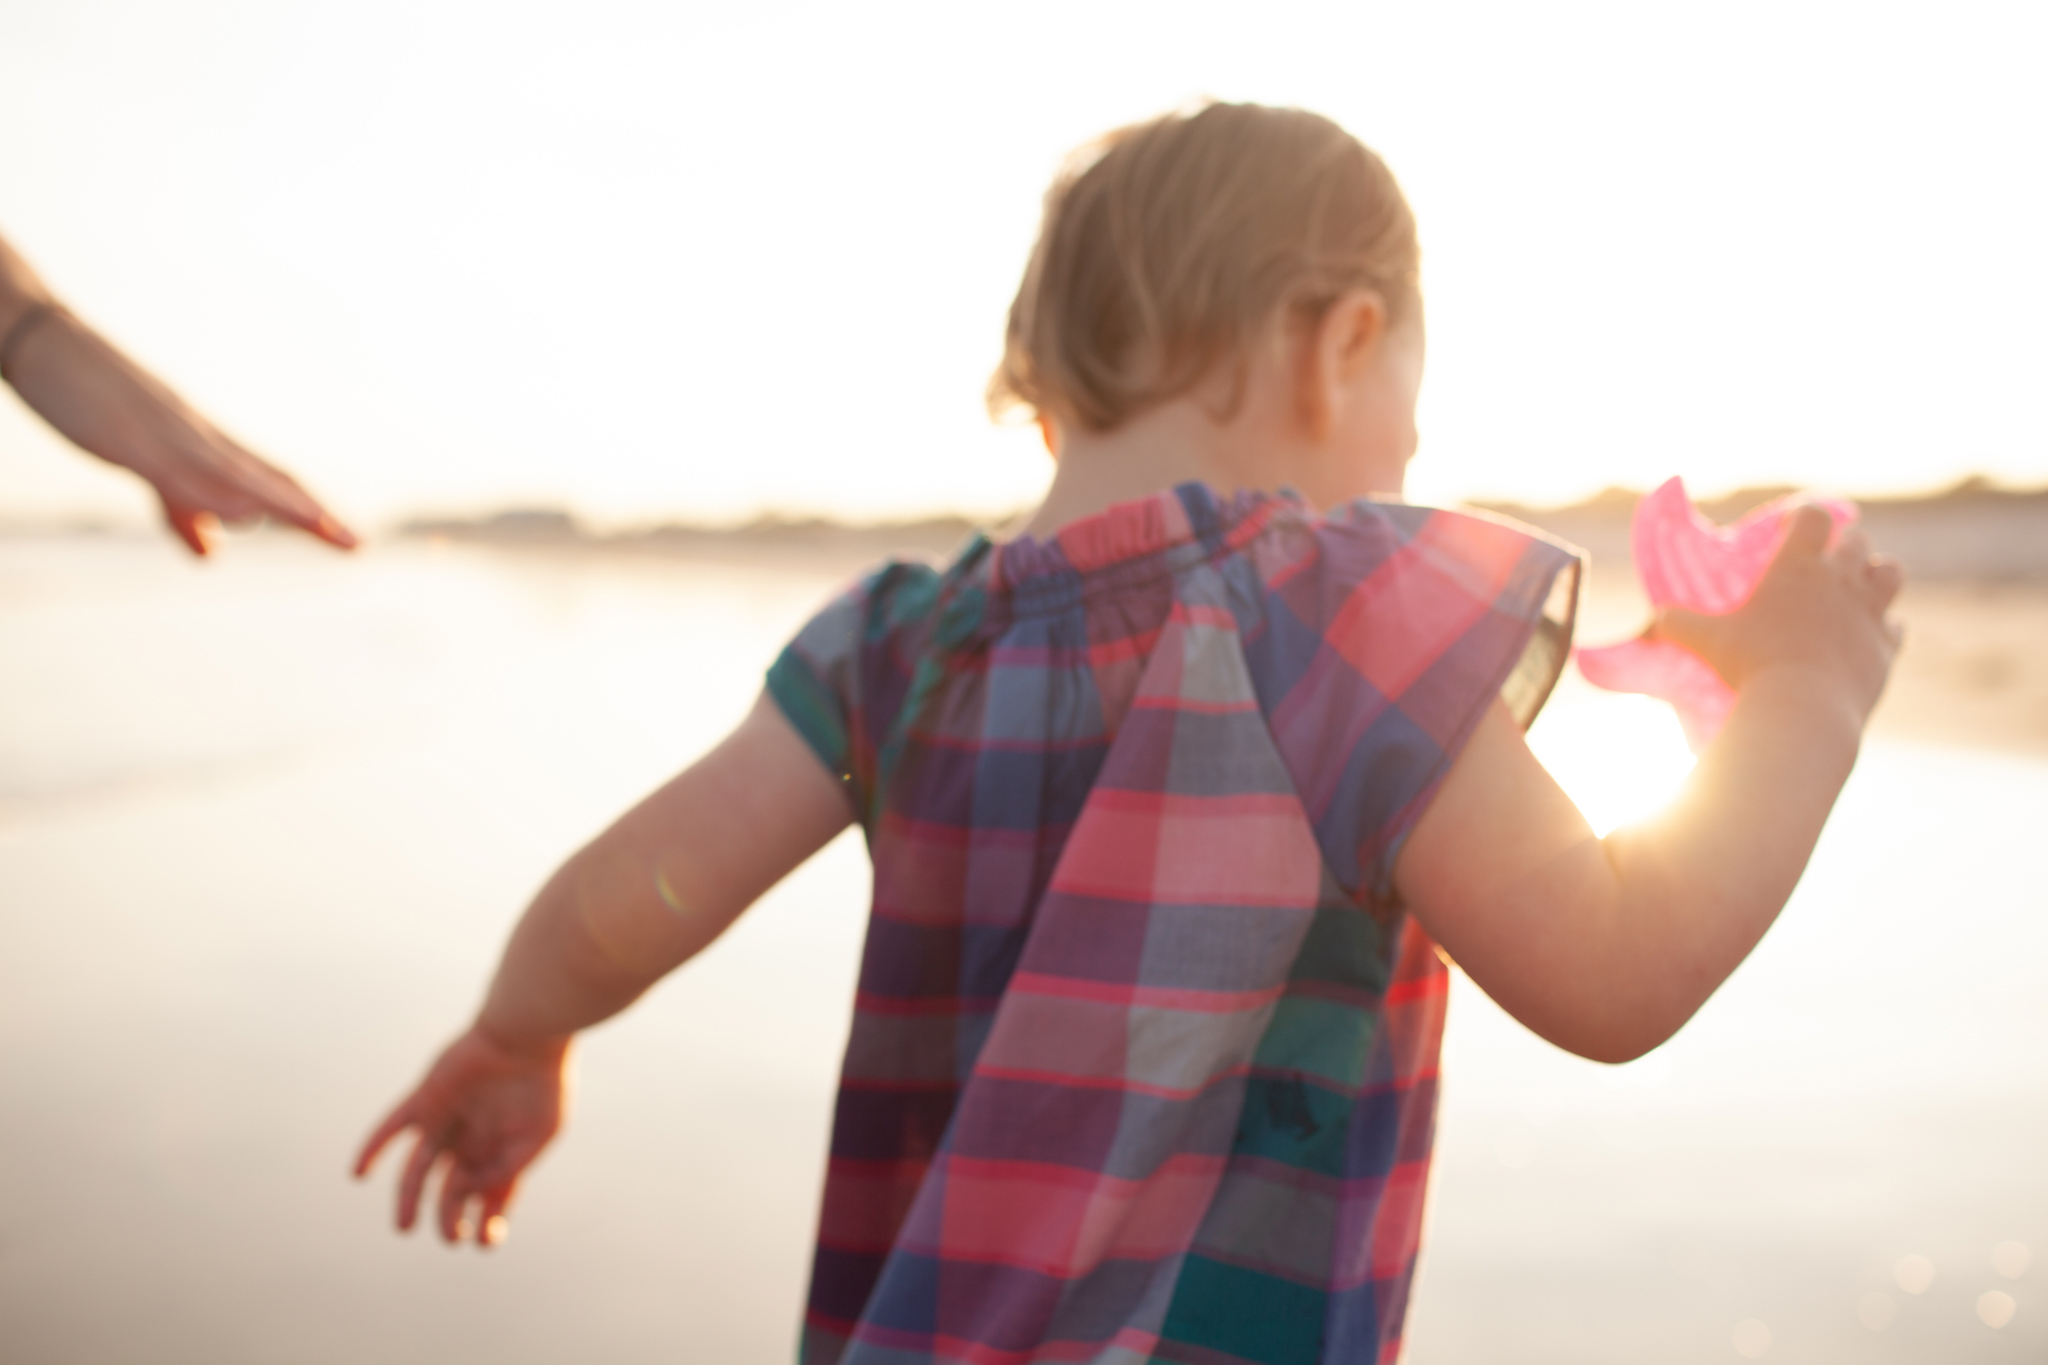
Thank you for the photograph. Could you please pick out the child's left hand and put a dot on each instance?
(483, 1113)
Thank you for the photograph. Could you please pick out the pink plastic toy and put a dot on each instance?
(1684, 560)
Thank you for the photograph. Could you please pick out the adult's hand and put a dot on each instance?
(107, 404)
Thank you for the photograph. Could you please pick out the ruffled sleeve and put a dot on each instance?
(816, 683)
(841, 681)
(1385, 641)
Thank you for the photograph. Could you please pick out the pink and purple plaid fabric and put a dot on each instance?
(1143, 1061)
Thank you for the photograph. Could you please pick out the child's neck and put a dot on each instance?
(1178, 442)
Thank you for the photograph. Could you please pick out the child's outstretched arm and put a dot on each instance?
(642, 898)
(1607, 946)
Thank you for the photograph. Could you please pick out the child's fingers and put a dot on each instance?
(396, 1122)
(1688, 629)
(424, 1153)
(1883, 577)
(1706, 636)
(455, 1192)
(492, 1226)
(1806, 532)
(1852, 550)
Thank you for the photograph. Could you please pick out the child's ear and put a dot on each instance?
(1358, 323)
(1342, 346)
(1050, 434)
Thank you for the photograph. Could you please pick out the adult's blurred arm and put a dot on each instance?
(106, 404)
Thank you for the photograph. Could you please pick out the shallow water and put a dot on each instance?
(264, 822)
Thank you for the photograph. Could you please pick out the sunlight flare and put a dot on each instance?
(1620, 757)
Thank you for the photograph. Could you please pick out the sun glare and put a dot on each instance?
(1620, 757)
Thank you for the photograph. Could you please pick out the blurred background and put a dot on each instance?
(706, 297)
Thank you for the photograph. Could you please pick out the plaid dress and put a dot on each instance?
(1143, 1060)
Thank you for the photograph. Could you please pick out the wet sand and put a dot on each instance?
(1974, 669)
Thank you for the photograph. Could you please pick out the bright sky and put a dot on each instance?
(695, 261)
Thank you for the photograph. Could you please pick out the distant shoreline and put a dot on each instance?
(551, 529)
(1619, 503)
(1973, 531)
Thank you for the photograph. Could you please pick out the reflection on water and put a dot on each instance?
(263, 822)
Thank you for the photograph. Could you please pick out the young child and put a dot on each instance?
(1171, 799)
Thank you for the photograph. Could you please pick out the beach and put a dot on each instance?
(264, 823)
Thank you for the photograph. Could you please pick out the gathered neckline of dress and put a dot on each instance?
(1123, 545)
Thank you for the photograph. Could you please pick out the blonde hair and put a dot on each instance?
(1172, 245)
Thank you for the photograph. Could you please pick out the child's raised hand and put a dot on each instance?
(1816, 608)
(642, 897)
(482, 1114)
(1606, 946)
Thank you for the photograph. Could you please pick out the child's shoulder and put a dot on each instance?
(1407, 557)
(901, 592)
(1432, 611)
(1437, 531)
(878, 623)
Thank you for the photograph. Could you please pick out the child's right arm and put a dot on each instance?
(1607, 946)
(639, 900)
